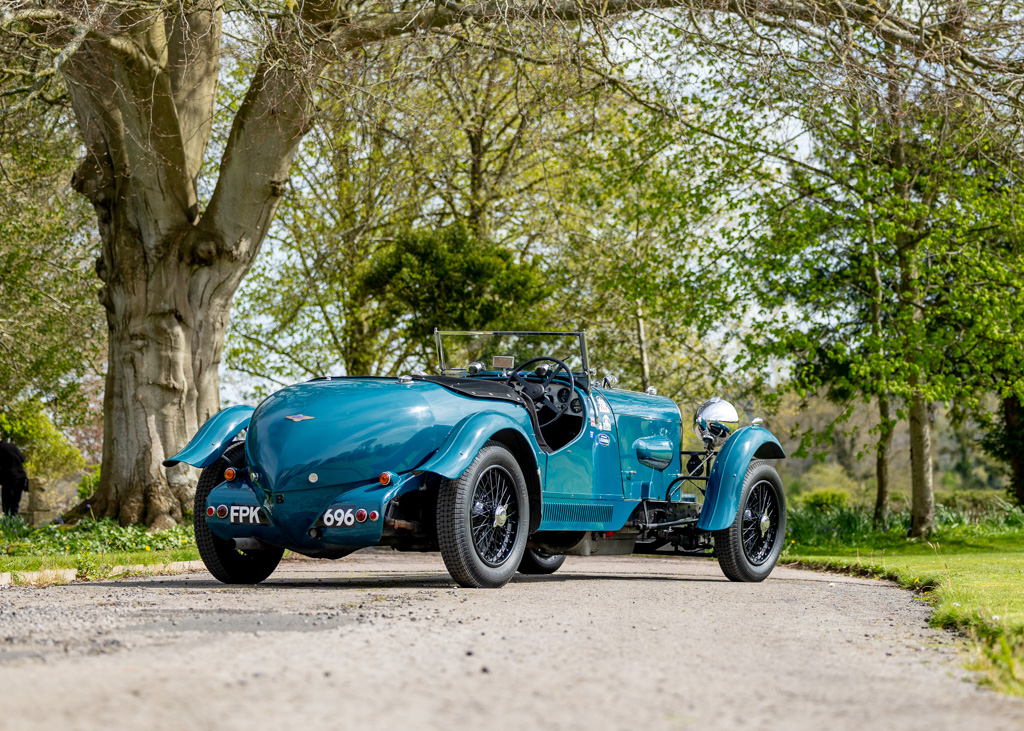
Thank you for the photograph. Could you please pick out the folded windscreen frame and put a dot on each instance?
(508, 348)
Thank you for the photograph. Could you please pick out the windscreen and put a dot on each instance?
(456, 350)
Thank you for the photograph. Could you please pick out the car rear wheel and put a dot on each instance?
(538, 562)
(227, 564)
(482, 519)
(749, 548)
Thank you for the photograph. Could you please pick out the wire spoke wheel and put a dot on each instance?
(749, 548)
(760, 523)
(483, 518)
(495, 515)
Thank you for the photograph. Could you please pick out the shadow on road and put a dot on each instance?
(390, 581)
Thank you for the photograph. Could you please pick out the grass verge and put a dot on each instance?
(93, 547)
(974, 582)
(94, 565)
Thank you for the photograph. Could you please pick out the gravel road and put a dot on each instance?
(384, 640)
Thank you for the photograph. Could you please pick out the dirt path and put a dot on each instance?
(386, 641)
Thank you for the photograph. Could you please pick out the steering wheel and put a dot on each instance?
(538, 392)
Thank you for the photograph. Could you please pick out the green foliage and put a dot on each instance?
(47, 452)
(852, 526)
(370, 183)
(1004, 440)
(597, 206)
(887, 261)
(450, 279)
(825, 499)
(88, 484)
(824, 477)
(89, 537)
(52, 332)
(649, 194)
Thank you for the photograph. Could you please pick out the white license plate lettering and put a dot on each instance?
(339, 517)
(245, 514)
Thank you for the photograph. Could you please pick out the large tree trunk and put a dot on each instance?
(922, 498)
(922, 510)
(144, 95)
(884, 449)
(1013, 425)
(165, 341)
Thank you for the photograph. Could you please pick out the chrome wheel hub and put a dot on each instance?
(765, 523)
(500, 516)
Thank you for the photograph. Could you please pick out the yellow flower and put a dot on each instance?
(147, 548)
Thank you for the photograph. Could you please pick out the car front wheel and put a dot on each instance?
(483, 518)
(749, 548)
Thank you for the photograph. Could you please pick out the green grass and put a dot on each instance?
(973, 574)
(93, 547)
(94, 565)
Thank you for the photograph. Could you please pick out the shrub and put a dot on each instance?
(47, 453)
(853, 524)
(825, 499)
(90, 537)
(838, 525)
(824, 476)
(90, 481)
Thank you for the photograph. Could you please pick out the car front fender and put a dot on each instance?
(213, 437)
(467, 438)
(730, 470)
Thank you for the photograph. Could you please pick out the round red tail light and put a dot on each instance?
(222, 511)
(374, 515)
(211, 511)
(360, 515)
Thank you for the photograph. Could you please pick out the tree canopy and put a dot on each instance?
(191, 114)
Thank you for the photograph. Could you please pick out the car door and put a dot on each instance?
(587, 467)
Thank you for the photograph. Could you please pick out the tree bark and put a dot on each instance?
(645, 364)
(882, 461)
(922, 510)
(923, 499)
(144, 99)
(165, 342)
(1013, 424)
(885, 424)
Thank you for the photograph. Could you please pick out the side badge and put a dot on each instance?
(604, 440)
(299, 417)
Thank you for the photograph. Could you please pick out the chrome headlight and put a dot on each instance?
(714, 421)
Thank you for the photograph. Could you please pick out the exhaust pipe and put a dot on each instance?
(247, 544)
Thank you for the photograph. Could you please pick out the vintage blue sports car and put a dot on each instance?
(511, 458)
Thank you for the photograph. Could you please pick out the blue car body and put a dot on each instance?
(337, 464)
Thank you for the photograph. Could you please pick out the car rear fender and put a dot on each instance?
(213, 437)
(730, 470)
(469, 436)
(466, 439)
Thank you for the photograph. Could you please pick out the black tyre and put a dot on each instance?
(538, 562)
(749, 548)
(228, 564)
(482, 520)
